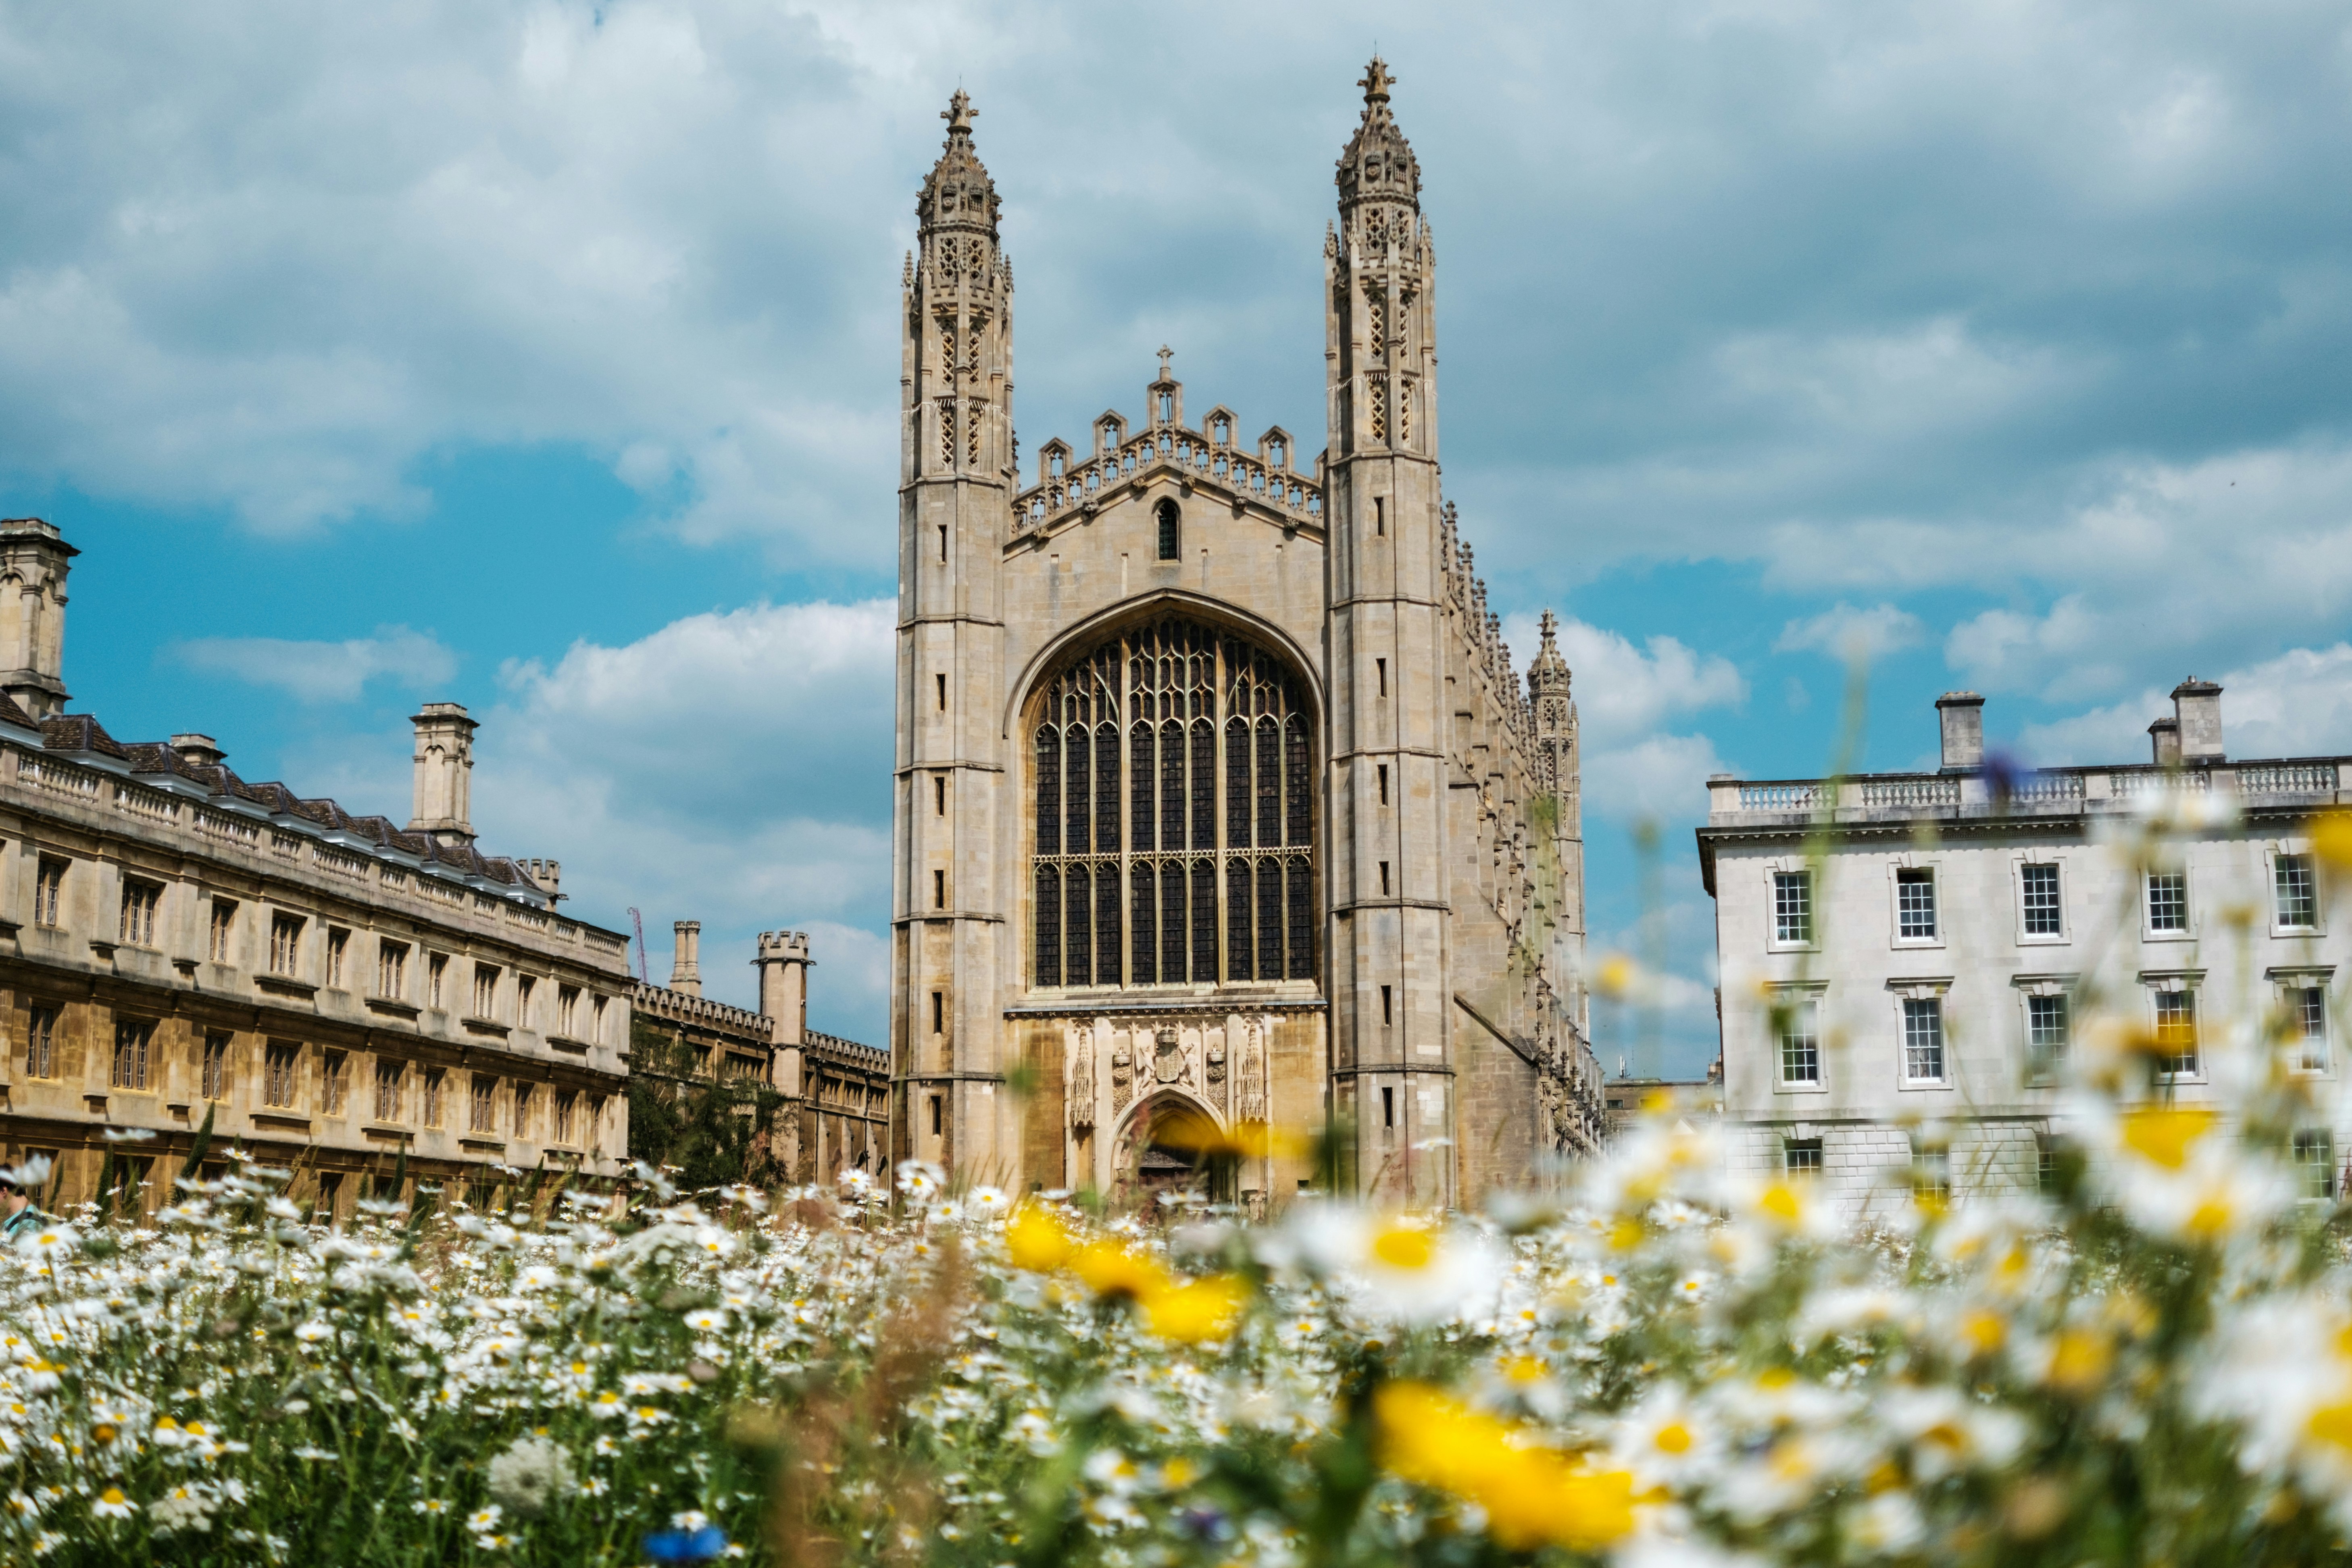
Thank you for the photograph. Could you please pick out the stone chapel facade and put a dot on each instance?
(1218, 798)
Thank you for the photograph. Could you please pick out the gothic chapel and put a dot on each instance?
(1219, 801)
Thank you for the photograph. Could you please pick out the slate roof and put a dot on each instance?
(82, 733)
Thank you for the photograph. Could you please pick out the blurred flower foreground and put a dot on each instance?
(2150, 1362)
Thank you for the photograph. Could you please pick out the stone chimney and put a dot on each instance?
(198, 750)
(443, 800)
(2197, 710)
(548, 874)
(1960, 715)
(33, 615)
(686, 959)
(2164, 740)
(783, 965)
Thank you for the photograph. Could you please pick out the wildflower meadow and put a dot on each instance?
(2149, 1361)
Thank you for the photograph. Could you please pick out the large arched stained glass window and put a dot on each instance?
(1174, 841)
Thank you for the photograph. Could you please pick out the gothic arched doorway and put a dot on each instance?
(1164, 1148)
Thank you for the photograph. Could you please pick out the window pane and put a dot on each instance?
(2299, 902)
(1302, 922)
(1173, 924)
(1146, 926)
(1922, 1038)
(1049, 926)
(1799, 1020)
(2314, 1156)
(1140, 829)
(1203, 786)
(1269, 783)
(1298, 811)
(1077, 929)
(1172, 786)
(1239, 950)
(1205, 921)
(1106, 790)
(2176, 1031)
(1237, 785)
(2310, 1024)
(1802, 1157)
(1914, 904)
(1049, 791)
(1792, 906)
(1269, 919)
(2042, 914)
(2046, 1028)
(2168, 901)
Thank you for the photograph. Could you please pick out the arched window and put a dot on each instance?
(1170, 540)
(1139, 878)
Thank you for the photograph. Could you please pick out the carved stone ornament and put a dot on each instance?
(1121, 1072)
(1168, 1061)
(1082, 1079)
(1252, 1077)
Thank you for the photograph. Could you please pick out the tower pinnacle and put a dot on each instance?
(1379, 163)
(958, 194)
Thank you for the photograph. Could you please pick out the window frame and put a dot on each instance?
(1900, 875)
(1171, 828)
(1799, 997)
(338, 953)
(213, 1065)
(49, 873)
(1773, 941)
(391, 966)
(390, 1077)
(2287, 983)
(1791, 1149)
(2275, 860)
(2150, 931)
(281, 1075)
(1928, 988)
(286, 944)
(2160, 984)
(220, 931)
(140, 915)
(2026, 936)
(131, 1066)
(41, 1022)
(2325, 1170)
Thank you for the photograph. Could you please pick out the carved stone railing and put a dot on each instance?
(1911, 791)
(2287, 778)
(1056, 495)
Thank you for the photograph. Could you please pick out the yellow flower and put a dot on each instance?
(1111, 1268)
(1983, 1333)
(2162, 1135)
(1532, 1495)
(1037, 1240)
(2331, 838)
(2079, 1360)
(1204, 1310)
(1616, 976)
(2332, 1423)
(1404, 1247)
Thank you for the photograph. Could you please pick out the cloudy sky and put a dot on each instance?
(543, 357)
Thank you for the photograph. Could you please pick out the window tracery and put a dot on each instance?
(1158, 723)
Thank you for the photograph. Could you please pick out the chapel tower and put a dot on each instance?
(948, 952)
(1391, 1021)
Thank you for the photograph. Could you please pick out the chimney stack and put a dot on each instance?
(198, 750)
(444, 795)
(1961, 716)
(2197, 711)
(2164, 740)
(686, 960)
(548, 874)
(33, 616)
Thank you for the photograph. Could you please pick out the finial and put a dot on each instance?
(1163, 361)
(1550, 625)
(958, 113)
(1377, 81)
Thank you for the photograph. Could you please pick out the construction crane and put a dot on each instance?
(638, 921)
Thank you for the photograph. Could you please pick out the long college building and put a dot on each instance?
(1219, 799)
(330, 990)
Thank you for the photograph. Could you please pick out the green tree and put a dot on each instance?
(711, 1130)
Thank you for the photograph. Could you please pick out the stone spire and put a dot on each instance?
(1548, 675)
(958, 194)
(1379, 163)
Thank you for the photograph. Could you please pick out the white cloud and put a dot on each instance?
(322, 671)
(1660, 778)
(1624, 691)
(1843, 632)
(730, 767)
(2297, 704)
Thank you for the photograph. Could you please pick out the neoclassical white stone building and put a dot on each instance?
(1906, 996)
(1219, 799)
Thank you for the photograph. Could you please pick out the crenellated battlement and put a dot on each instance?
(1209, 459)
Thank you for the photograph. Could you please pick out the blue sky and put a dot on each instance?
(543, 357)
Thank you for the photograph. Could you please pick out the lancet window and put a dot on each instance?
(1175, 826)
